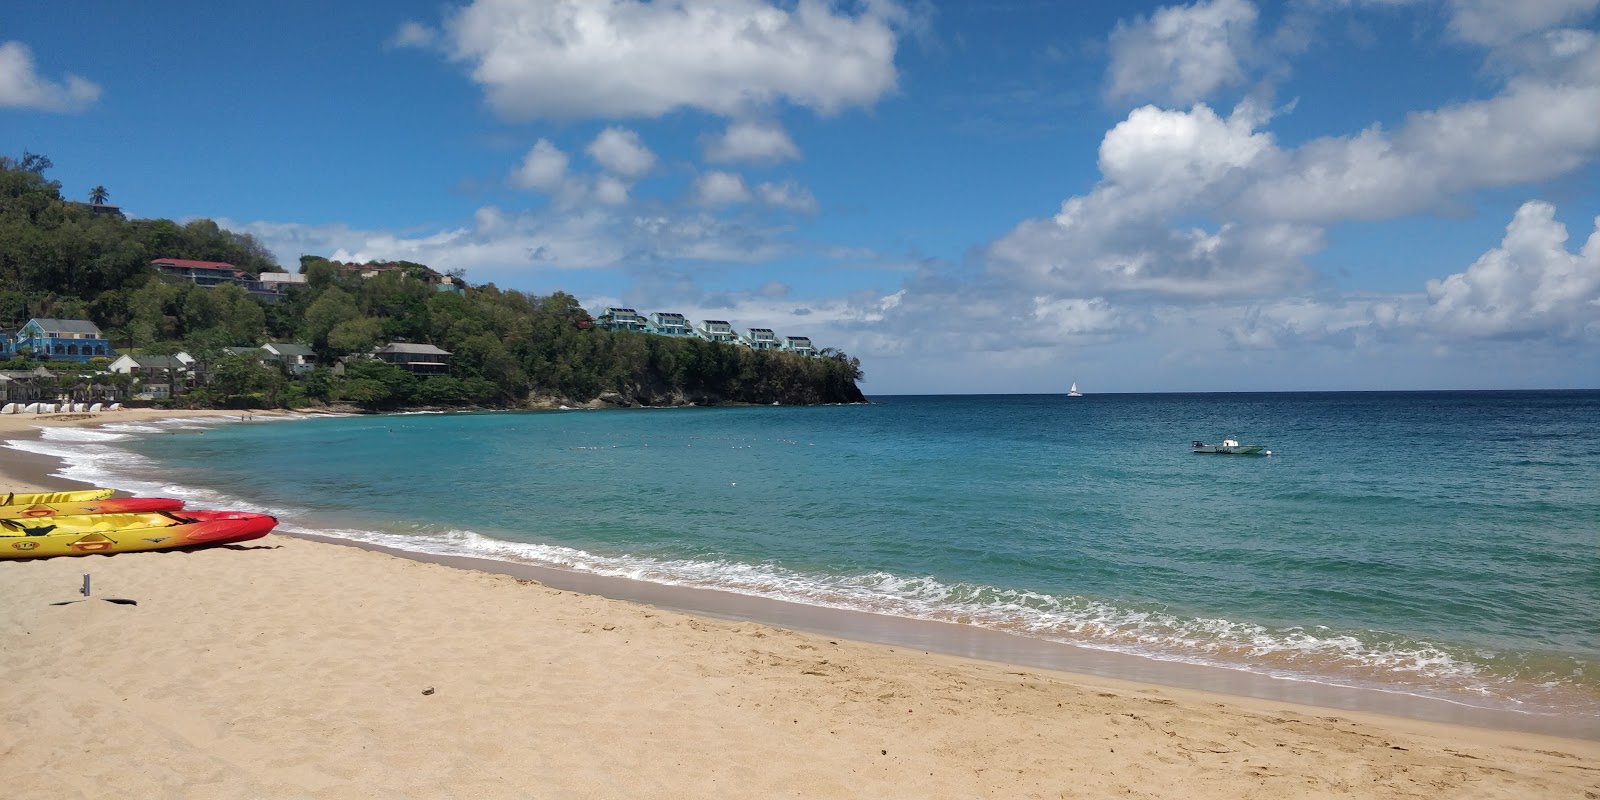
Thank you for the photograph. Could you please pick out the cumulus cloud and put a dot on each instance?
(1120, 238)
(627, 58)
(1192, 204)
(1498, 22)
(413, 34)
(752, 142)
(1181, 53)
(716, 189)
(544, 168)
(788, 195)
(21, 86)
(509, 245)
(1536, 129)
(1530, 285)
(621, 152)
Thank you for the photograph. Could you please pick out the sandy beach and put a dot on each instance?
(293, 668)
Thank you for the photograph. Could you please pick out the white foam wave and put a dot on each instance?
(1293, 654)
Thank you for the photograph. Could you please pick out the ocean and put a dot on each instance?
(1440, 545)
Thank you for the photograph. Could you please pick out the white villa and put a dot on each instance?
(668, 323)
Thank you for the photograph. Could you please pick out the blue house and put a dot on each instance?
(62, 340)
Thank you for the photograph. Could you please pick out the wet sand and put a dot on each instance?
(295, 668)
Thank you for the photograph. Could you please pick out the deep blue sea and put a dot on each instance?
(1442, 544)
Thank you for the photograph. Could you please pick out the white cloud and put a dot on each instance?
(413, 34)
(502, 245)
(622, 58)
(544, 168)
(1535, 130)
(1529, 286)
(1120, 238)
(610, 190)
(789, 195)
(716, 189)
(620, 152)
(1497, 22)
(752, 142)
(1182, 53)
(22, 87)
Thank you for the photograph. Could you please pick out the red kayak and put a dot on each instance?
(115, 505)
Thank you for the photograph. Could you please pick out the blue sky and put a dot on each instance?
(968, 196)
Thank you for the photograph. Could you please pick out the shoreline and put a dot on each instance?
(1100, 687)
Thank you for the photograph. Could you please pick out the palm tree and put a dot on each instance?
(98, 195)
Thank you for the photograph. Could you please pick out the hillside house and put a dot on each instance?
(667, 323)
(418, 359)
(760, 339)
(295, 359)
(717, 330)
(61, 340)
(799, 344)
(621, 319)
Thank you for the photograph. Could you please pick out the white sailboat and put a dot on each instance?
(1073, 392)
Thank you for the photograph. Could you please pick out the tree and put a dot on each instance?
(98, 195)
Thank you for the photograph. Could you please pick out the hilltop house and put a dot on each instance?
(621, 319)
(800, 345)
(216, 273)
(717, 330)
(201, 273)
(666, 323)
(418, 359)
(278, 281)
(760, 339)
(61, 340)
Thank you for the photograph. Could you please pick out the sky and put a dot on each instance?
(970, 197)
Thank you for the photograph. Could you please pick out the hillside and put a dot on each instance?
(508, 349)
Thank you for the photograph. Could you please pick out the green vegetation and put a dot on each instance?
(509, 349)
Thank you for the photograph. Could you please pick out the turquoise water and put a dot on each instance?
(1440, 544)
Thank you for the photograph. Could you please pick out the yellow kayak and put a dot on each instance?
(122, 533)
(49, 498)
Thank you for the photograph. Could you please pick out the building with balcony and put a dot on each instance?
(760, 339)
(800, 345)
(418, 359)
(295, 359)
(621, 319)
(666, 323)
(717, 330)
(61, 340)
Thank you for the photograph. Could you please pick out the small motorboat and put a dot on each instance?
(115, 505)
(123, 533)
(1231, 447)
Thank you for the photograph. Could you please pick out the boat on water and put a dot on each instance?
(126, 533)
(1073, 392)
(1231, 447)
(115, 505)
